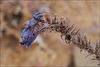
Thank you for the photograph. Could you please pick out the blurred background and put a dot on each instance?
(48, 49)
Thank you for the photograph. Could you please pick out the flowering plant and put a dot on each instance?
(68, 30)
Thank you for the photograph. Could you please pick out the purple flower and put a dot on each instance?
(36, 19)
(27, 35)
(32, 36)
(28, 30)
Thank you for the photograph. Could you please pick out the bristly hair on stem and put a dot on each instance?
(71, 35)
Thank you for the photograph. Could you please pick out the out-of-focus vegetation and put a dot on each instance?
(48, 49)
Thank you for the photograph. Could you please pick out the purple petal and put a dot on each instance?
(27, 31)
(38, 16)
(31, 22)
(46, 25)
(30, 41)
(23, 42)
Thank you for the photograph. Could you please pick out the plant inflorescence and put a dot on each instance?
(68, 31)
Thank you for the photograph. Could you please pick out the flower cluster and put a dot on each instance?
(28, 35)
